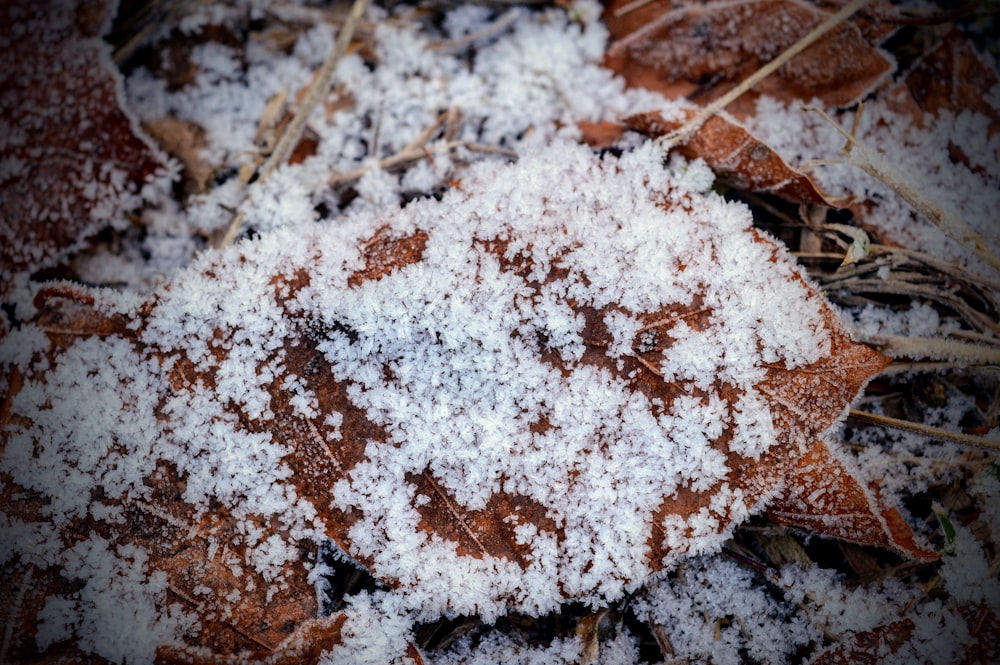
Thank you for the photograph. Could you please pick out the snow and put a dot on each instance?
(965, 571)
(120, 613)
(499, 648)
(715, 611)
(376, 632)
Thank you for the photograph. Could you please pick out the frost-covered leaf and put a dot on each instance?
(71, 159)
(309, 644)
(701, 50)
(823, 494)
(954, 77)
(565, 375)
(737, 157)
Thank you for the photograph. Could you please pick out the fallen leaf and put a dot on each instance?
(516, 396)
(824, 495)
(184, 140)
(738, 158)
(953, 76)
(72, 161)
(701, 50)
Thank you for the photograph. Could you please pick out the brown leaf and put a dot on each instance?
(824, 496)
(954, 77)
(738, 158)
(519, 395)
(72, 160)
(184, 140)
(701, 50)
(306, 646)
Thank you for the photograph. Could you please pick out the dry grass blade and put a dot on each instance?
(929, 348)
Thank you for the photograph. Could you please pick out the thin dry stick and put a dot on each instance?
(684, 132)
(932, 348)
(902, 367)
(946, 267)
(290, 138)
(897, 287)
(490, 31)
(926, 430)
(630, 7)
(413, 153)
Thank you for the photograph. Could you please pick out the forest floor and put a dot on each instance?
(174, 131)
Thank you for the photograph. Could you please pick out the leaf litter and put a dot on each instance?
(213, 381)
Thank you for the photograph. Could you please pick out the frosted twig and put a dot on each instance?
(932, 348)
(413, 153)
(872, 163)
(293, 132)
(926, 430)
(946, 267)
(926, 366)
(901, 287)
(684, 132)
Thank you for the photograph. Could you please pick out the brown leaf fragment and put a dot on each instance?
(738, 158)
(872, 647)
(599, 135)
(307, 645)
(184, 140)
(954, 77)
(72, 161)
(825, 497)
(700, 50)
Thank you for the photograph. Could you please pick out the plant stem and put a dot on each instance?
(926, 430)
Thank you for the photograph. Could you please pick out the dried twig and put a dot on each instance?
(926, 430)
(934, 348)
(492, 30)
(290, 137)
(945, 267)
(929, 366)
(417, 151)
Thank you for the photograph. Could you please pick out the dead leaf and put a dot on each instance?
(954, 77)
(311, 384)
(185, 141)
(738, 158)
(701, 50)
(824, 496)
(73, 161)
